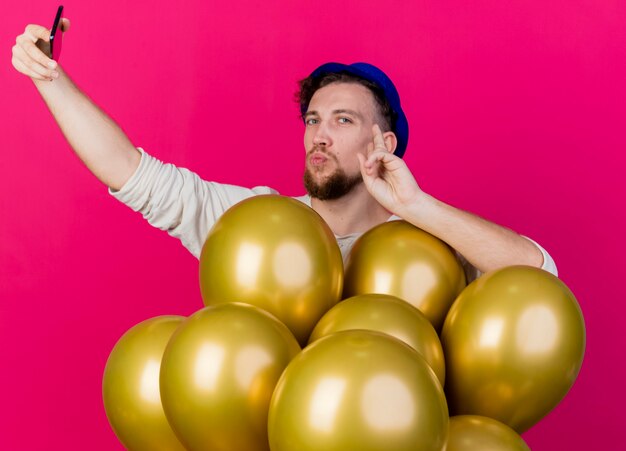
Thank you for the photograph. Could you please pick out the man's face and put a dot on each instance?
(339, 124)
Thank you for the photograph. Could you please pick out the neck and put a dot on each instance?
(356, 212)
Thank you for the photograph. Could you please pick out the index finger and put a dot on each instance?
(379, 141)
(37, 49)
(34, 32)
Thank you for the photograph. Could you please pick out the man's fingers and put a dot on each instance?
(38, 56)
(379, 140)
(366, 172)
(20, 66)
(29, 41)
(65, 25)
(34, 60)
(385, 162)
(378, 156)
(30, 52)
(34, 32)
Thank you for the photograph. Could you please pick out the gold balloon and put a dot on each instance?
(514, 342)
(473, 432)
(218, 374)
(278, 254)
(130, 387)
(358, 390)
(399, 259)
(390, 315)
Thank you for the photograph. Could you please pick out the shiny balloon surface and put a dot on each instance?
(278, 254)
(399, 259)
(130, 387)
(514, 342)
(358, 390)
(218, 374)
(390, 315)
(473, 432)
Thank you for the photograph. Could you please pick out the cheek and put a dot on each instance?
(307, 139)
(347, 156)
(358, 142)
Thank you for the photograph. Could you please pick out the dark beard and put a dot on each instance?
(335, 186)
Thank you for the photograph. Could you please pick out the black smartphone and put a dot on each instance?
(56, 35)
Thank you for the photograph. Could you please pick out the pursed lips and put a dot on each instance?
(318, 158)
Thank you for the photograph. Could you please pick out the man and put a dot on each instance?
(355, 136)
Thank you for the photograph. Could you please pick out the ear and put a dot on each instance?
(391, 142)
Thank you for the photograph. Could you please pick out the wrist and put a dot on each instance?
(417, 208)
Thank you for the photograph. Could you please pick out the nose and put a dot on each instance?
(321, 136)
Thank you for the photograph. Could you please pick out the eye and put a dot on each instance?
(311, 121)
(345, 120)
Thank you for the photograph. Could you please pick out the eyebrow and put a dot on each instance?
(335, 112)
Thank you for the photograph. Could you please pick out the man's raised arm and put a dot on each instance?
(97, 140)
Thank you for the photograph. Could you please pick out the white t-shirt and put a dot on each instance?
(179, 201)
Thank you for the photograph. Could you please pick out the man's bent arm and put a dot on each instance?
(486, 245)
(97, 140)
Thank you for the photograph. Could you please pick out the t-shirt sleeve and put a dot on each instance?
(178, 201)
(472, 273)
(548, 262)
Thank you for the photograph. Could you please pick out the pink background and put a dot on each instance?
(517, 113)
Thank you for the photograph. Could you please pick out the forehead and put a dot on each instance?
(341, 95)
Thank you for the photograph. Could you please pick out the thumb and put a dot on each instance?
(65, 25)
